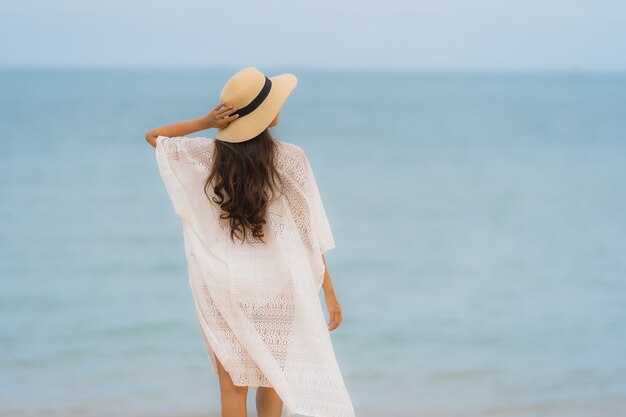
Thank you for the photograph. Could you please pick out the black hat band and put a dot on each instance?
(257, 100)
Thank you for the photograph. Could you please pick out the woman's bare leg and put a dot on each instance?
(233, 397)
(268, 403)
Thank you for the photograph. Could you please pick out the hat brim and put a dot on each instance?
(251, 125)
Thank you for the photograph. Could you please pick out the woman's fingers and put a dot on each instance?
(335, 319)
(227, 119)
(226, 109)
(223, 114)
(231, 111)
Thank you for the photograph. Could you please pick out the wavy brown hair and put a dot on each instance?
(244, 181)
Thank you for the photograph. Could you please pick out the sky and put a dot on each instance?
(579, 35)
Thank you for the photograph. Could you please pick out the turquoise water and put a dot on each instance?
(479, 220)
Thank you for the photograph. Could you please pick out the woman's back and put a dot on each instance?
(190, 159)
(257, 302)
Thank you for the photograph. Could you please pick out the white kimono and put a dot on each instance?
(257, 303)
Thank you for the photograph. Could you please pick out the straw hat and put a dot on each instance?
(258, 100)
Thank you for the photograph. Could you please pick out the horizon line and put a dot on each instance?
(230, 68)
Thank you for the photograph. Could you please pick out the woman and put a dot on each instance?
(255, 232)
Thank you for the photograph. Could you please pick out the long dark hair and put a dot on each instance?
(246, 181)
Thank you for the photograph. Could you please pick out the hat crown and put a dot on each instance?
(243, 87)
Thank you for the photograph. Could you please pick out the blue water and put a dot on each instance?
(480, 223)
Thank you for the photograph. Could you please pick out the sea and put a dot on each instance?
(479, 220)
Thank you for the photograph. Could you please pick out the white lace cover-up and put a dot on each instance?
(257, 303)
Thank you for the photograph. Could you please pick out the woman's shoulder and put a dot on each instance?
(291, 160)
(194, 150)
(289, 150)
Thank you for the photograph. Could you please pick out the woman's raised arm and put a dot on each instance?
(218, 117)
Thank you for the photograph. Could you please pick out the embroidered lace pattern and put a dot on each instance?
(257, 303)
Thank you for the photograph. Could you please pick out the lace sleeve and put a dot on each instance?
(167, 155)
(184, 162)
(319, 219)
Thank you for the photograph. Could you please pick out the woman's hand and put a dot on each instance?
(220, 117)
(334, 310)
